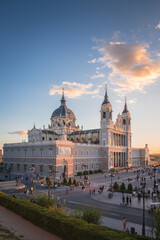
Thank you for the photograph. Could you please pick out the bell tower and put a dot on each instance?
(106, 112)
(128, 135)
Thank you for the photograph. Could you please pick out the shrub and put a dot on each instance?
(85, 173)
(46, 201)
(92, 215)
(123, 187)
(130, 188)
(115, 186)
(66, 227)
(70, 181)
(90, 171)
(100, 171)
(65, 180)
(79, 173)
(95, 171)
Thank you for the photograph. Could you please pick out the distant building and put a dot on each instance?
(1, 156)
(65, 149)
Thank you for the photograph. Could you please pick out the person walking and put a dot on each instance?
(130, 200)
(124, 223)
(127, 199)
(123, 199)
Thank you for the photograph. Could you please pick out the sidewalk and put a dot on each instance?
(23, 227)
(117, 199)
(117, 224)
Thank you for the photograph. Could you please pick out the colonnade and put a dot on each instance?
(119, 159)
(119, 139)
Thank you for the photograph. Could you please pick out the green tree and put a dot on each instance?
(48, 181)
(130, 188)
(46, 201)
(70, 181)
(115, 186)
(65, 180)
(92, 215)
(157, 223)
(123, 187)
(75, 182)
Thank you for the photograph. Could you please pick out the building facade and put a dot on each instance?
(63, 149)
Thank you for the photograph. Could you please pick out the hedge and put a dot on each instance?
(66, 227)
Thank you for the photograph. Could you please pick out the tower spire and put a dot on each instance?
(106, 100)
(63, 100)
(125, 106)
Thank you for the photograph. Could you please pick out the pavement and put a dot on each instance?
(15, 223)
(117, 199)
(10, 185)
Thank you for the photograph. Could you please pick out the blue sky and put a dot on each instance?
(81, 46)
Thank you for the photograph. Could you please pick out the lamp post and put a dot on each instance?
(143, 192)
(111, 182)
(154, 170)
(85, 164)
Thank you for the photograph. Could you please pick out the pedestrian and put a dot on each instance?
(130, 200)
(123, 199)
(124, 223)
(90, 190)
(127, 199)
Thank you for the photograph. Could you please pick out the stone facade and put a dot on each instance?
(65, 148)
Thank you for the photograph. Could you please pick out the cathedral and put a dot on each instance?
(66, 149)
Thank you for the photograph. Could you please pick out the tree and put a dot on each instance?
(75, 182)
(70, 181)
(157, 223)
(123, 187)
(130, 188)
(115, 186)
(65, 180)
(92, 215)
(48, 181)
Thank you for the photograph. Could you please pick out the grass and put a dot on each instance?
(6, 234)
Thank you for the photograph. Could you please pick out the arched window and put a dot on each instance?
(104, 114)
(124, 122)
(43, 138)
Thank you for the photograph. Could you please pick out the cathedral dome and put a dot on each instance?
(63, 110)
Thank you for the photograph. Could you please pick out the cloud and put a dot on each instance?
(21, 133)
(132, 69)
(74, 89)
(132, 101)
(92, 60)
(118, 101)
(97, 75)
(158, 26)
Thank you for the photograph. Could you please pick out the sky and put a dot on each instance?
(47, 45)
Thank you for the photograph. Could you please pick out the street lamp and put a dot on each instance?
(143, 192)
(154, 170)
(111, 182)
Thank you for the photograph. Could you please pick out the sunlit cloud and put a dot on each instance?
(118, 101)
(92, 60)
(132, 69)
(74, 89)
(132, 101)
(97, 75)
(21, 133)
(158, 26)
